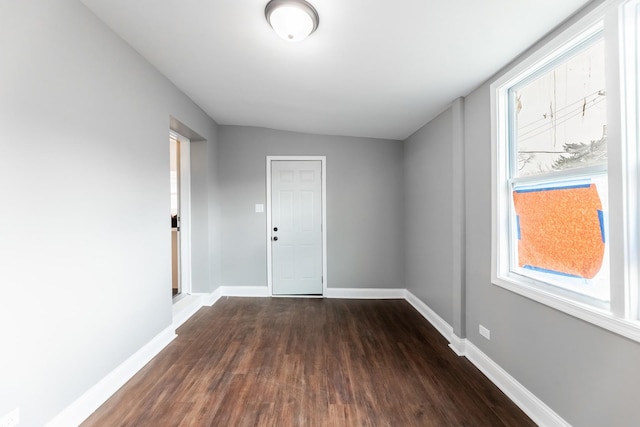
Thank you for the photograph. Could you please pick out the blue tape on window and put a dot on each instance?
(544, 270)
(601, 219)
(565, 187)
(518, 227)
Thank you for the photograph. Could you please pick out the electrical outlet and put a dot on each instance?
(12, 419)
(485, 332)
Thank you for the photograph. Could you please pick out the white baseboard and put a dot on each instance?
(91, 400)
(350, 293)
(458, 345)
(187, 307)
(432, 317)
(210, 299)
(245, 291)
(364, 293)
(190, 304)
(535, 408)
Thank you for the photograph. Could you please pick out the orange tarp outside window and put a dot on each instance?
(560, 230)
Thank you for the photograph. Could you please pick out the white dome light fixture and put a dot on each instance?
(292, 20)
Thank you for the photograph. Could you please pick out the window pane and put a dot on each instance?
(560, 230)
(560, 116)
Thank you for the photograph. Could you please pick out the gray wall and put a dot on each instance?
(589, 376)
(205, 213)
(85, 240)
(428, 214)
(364, 205)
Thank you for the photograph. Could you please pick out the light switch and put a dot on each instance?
(259, 207)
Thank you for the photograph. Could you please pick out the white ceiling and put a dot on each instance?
(373, 68)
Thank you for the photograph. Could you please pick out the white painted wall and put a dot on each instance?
(84, 218)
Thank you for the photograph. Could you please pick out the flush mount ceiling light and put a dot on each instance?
(292, 20)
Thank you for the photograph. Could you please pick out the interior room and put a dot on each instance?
(399, 106)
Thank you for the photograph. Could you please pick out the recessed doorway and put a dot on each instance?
(180, 185)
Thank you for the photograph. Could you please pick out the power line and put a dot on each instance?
(581, 101)
(560, 120)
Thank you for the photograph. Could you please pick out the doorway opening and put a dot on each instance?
(180, 185)
(296, 225)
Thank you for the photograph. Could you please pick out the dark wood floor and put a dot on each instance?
(308, 362)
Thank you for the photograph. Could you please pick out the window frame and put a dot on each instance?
(629, 18)
(618, 22)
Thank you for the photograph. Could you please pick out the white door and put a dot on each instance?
(296, 227)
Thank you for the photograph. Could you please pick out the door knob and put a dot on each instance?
(275, 238)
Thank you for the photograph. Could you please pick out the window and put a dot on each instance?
(565, 182)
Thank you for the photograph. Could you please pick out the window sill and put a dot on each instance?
(600, 317)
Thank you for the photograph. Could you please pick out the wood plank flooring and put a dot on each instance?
(308, 362)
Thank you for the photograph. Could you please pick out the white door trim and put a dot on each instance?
(323, 166)
(185, 212)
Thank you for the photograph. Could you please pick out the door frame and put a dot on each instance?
(185, 214)
(323, 168)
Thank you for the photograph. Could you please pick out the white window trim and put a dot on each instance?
(629, 30)
(623, 246)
